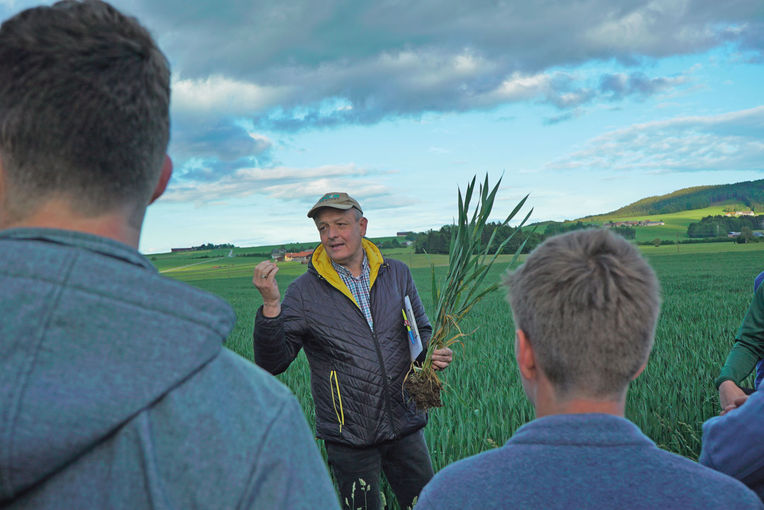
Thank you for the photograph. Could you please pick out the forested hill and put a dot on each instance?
(749, 193)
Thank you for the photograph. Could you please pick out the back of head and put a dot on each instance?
(84, 109)
(588, 303)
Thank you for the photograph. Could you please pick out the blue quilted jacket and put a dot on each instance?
(356, 374)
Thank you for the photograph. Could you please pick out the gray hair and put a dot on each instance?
(588, 303)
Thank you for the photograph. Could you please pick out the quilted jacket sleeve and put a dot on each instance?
(277, 340)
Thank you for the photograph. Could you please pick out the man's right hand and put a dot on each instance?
(264, 279)
(731, 396)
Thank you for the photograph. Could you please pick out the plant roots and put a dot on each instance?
(424, 389)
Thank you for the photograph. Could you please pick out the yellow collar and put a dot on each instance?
(323, 264)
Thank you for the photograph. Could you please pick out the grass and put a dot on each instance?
(706, 291)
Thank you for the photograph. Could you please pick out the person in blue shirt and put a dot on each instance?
(585, 305)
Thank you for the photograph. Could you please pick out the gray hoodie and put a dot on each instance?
(115, 391)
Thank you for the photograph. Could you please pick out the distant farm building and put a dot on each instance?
(740, 213)
(404, 234)
(178, 250)
(642, 223)
(277, 254)
(300, 256)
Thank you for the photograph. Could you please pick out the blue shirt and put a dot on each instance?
(582, 461)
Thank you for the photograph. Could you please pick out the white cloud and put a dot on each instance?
(224, 96)
(520, 87)
(278, 182)
(643, 30)
(728, 141)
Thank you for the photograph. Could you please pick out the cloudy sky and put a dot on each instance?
(586, 105)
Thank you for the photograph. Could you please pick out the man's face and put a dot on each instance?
(341, 234)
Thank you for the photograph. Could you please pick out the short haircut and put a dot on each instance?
(588, 303)
(84, 108)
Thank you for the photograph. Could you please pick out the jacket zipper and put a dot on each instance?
(385, 386)
(382, 366)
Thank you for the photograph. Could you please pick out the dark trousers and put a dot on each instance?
(405, 462)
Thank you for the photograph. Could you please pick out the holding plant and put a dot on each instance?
(462, 288)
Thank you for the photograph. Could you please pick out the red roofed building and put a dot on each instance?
(300, 256)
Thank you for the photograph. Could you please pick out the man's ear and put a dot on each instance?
(164, 179)
(525, 356)
(364, 222)
(641, 369)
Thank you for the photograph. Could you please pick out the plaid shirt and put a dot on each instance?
(359, 287)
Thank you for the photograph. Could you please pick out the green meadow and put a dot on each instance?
(706, 290)
(675, 224)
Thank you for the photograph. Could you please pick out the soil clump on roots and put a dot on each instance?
(424, 389)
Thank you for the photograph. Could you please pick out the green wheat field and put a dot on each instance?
(706, 291)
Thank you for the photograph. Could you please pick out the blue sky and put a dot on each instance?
(585, 105)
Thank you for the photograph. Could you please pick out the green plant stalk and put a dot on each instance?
(468, 266)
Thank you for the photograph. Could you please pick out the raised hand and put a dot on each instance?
(264, 279)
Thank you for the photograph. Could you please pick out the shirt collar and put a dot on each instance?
(343, 271)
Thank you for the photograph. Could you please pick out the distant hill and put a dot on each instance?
(749, 194)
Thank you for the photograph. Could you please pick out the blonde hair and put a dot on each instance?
(588, 303)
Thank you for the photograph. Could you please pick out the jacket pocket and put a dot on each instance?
(334, 387)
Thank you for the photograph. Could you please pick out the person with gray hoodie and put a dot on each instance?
(115, 390)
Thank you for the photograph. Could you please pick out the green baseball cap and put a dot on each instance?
(336, 201)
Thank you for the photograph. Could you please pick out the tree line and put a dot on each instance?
(438, 241)
(720, 226)
(750, 193)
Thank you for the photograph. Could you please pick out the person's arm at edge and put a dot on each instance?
(289, 471)
(731, 443)
(745, 353)
(740, 361)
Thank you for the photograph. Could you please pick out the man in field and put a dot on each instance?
(732, 442)
(116, 392)
(345, 311)
(585, 306)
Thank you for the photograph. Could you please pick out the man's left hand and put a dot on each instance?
(441, 358)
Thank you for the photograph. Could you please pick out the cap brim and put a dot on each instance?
(315, 208)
